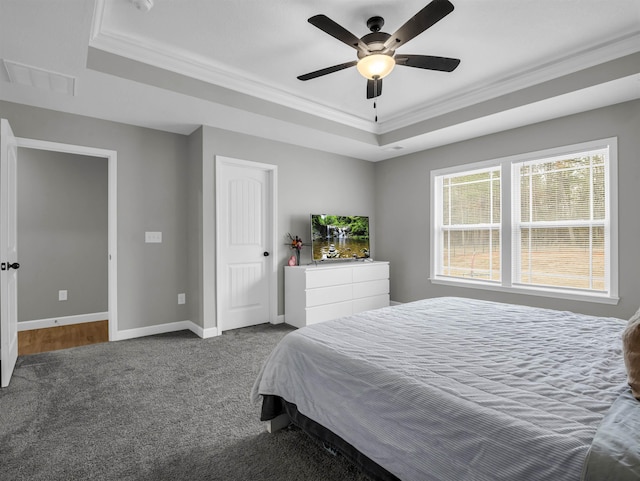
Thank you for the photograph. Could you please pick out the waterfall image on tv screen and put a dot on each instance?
(339, 237)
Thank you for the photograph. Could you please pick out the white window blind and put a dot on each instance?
(560, 223)
(471, 225)
(542, 222)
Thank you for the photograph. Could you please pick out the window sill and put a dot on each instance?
(528, 291)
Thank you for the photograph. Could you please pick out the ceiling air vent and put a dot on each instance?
(40, 78)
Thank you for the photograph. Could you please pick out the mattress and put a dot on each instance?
(456, 389)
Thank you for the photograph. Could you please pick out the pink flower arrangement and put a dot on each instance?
(296, 243)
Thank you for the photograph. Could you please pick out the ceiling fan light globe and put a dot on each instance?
(375, 66)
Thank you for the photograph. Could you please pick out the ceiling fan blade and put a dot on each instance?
(327, 25)
(328, 70)
(374, 88)
(443, 64)
(425, 18)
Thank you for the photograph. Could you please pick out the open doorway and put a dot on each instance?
(67, 285)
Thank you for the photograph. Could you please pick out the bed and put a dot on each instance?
(461, 389)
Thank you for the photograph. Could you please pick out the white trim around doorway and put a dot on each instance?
(112, 158)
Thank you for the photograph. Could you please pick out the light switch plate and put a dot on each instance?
(182, 298)
(62, 295)
(153, 237)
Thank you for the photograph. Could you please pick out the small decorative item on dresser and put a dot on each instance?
(296, 244)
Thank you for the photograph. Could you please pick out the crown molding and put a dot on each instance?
(96, 21)
(202, 68)
(564, 65)
(187, 63)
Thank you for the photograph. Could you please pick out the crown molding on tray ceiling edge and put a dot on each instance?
(565, 65)
(188, 64)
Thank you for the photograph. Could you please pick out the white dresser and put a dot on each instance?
(317, 293)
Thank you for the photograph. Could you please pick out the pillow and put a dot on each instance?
(631, 351)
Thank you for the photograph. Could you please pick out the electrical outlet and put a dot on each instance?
(62, 295)
(182, 298)
(153, 237)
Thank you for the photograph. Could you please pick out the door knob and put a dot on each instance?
(5, 266)
(265, 253)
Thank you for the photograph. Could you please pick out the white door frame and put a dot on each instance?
(272, 171)
(112, 158)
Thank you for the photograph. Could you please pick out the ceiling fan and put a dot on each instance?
(377, 50)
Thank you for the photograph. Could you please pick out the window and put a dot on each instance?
(543, 223)
(470, 224)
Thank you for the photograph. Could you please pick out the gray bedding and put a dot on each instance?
(456, 389)
(615, 451)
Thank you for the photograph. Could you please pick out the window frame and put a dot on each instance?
(507, 167)
(484, 226)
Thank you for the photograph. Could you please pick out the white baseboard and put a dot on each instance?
(211, 332)
(279, 319)
(204, 333)
(62, 321)
(152, 330)
(124, 334)
(395, 303)
(164, 328)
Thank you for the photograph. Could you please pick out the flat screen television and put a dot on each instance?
(339, 237)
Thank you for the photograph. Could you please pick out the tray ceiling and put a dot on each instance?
(233, 64)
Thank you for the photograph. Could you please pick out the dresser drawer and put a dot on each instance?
(328, 277)
(370, 288)
(329, 295)
(370, 272)
(368, 303)
(328, 312)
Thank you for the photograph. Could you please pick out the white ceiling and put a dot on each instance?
(233, 64)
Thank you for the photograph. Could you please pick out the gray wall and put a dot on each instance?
(160, 181)
(62, 234)
(402, 204)
(309, 181)
(152, 196)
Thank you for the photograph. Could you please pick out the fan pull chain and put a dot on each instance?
(375, 95)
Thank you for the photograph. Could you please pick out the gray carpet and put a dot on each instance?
(166, 407)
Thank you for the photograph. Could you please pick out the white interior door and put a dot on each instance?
(8, 254)
(245, 246)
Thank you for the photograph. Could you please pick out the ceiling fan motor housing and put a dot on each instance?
(375, 24)
(375, 41)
